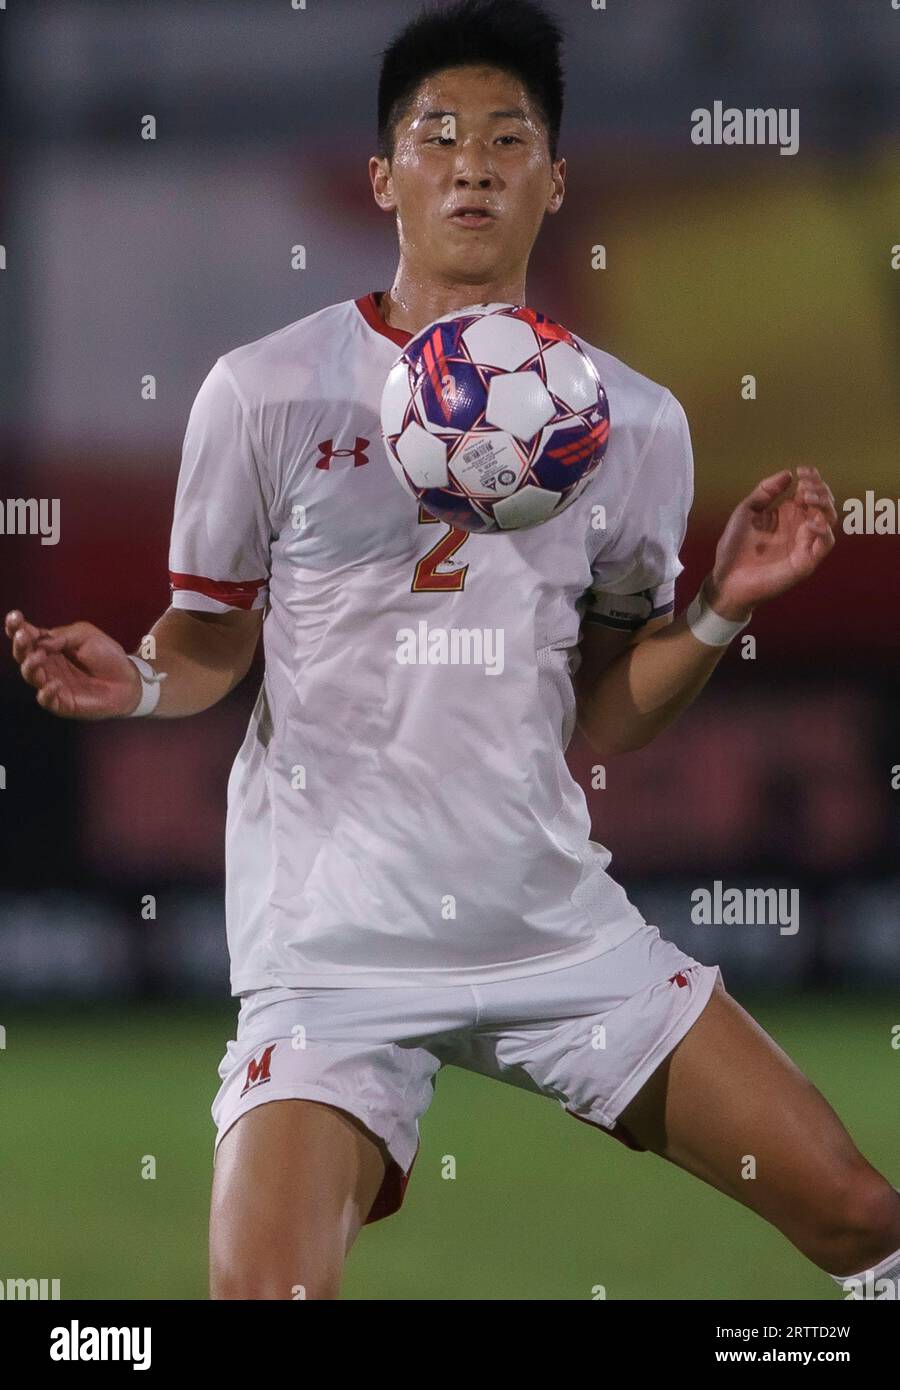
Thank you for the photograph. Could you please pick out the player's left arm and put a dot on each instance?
(630, 687)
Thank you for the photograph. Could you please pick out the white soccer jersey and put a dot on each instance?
(400, 811)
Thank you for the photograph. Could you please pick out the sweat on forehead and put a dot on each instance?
(511, 39)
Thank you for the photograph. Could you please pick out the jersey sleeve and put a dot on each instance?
(219, 555)
(634, 573)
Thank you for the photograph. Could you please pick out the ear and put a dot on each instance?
(382, 183)
(558, 186)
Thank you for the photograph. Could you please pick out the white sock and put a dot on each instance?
(865, 1284)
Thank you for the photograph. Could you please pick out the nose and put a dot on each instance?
(484, 181)
(473, 166)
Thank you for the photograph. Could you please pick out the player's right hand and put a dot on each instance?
(77, 670)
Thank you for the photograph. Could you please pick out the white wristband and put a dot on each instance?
(708, 626)
(151, 687)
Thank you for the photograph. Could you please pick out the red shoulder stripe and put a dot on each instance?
(237, 593)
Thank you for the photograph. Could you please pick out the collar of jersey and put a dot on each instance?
(368, 307)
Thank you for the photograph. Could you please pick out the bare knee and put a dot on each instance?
(234, 1282)
(262, 1259)
(856, 1225)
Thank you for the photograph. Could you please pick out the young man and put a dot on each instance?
(368, 795)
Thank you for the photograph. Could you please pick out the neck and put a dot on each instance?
(415, 300)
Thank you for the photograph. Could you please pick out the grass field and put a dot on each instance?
(541, 1208)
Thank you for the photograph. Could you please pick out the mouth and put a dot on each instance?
(471, 217)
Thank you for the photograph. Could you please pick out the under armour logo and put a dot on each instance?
(328, 452)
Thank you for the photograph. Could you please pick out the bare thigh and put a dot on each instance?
(294, 1180)
(729, 1106)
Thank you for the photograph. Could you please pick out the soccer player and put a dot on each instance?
(410, 878)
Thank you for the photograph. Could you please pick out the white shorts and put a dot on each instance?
(589, 1036)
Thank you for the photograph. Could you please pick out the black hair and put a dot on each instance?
(518, 36)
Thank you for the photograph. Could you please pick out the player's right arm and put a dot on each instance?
(219, 562)
(79, 672)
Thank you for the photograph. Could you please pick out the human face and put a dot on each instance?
(472, 138)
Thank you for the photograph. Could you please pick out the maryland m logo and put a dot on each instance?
(258, 1072)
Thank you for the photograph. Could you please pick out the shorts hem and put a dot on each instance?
(608, 1116)
(400, 1153)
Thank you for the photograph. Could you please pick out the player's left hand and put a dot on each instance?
(777, 536)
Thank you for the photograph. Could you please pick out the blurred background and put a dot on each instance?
(126, 257)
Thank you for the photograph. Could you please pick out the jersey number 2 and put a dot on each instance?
(426, 578)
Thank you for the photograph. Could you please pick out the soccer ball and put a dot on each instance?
(494, 418)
